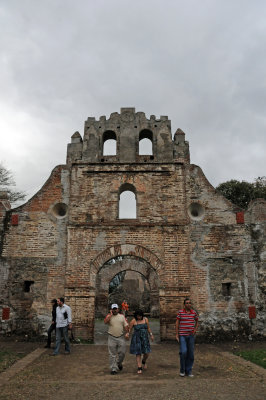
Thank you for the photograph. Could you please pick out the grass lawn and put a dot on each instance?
(7, 358)
(256, 356)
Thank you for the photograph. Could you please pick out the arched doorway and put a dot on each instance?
(127, 278)
(135, 289)
(102, 266)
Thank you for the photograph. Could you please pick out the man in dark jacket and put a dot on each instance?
(53, 324)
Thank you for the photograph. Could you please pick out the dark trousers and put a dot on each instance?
(51, 328)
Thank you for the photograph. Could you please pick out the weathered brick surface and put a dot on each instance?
(185, 233)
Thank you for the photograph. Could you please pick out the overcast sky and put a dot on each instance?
(202, 63)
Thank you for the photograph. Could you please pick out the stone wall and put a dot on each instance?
(187, 240)
(33, 257)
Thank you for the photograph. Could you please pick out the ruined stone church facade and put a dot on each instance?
(185, 239)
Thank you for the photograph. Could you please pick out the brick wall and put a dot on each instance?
(185, 232)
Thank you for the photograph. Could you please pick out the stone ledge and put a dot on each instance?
(20, 365)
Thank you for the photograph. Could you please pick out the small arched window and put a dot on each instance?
(109, 143)
(145, 143)
(127, 202)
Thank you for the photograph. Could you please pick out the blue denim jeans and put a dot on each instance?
(186, 353)
(59, 333)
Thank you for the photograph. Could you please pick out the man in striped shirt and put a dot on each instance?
(186, 326)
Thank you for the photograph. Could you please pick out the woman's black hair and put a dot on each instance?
(138, 312)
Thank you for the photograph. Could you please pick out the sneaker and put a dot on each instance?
(191, 376)
(47, 346)
(182, 374)
(113, 372)
(120, 367)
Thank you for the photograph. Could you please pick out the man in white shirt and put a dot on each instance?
(63, 322)
(116, 341)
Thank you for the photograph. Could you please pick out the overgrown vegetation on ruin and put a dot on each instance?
(241, 193)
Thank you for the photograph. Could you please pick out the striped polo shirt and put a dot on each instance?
(186, 322)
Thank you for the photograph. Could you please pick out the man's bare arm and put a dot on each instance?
(177, 330)
(196, 327)
(107, 318)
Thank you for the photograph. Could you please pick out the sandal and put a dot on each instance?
(139, 370)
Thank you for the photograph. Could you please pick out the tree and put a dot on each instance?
(7, 184)
(241, 193)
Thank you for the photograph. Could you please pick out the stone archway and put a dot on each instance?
(140, 253)
(134, 272)
(123, 250)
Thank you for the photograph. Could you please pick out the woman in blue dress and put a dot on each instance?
(140, 343)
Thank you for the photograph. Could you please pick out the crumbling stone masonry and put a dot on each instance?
(186, 239)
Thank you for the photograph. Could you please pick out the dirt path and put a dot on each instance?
(85, 375)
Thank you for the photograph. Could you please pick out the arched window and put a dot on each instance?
(145, 143)
(127, 202)
(109, 143)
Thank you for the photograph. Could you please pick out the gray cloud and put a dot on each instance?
(201, 63)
